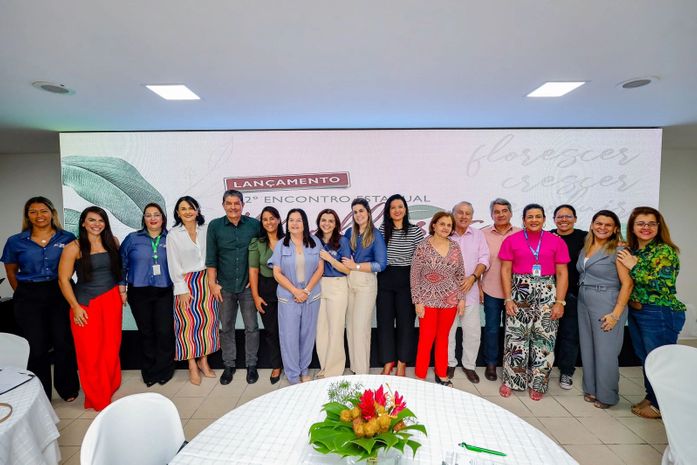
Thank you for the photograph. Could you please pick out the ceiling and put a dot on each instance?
(352, 64)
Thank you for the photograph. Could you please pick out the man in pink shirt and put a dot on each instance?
(475, 254)
(491, 291)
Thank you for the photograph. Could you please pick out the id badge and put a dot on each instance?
(156, 270)
(537, 270)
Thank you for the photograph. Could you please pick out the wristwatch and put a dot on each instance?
(562, 302)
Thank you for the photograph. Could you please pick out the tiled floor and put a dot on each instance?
(592, 436)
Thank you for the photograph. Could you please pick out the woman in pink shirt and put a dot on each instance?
(534, 279)
(437, 271)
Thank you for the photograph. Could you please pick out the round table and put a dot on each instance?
(272, 429)
(30, 435)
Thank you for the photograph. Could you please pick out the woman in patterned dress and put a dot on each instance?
(436, 273)
(656, 316)
(195, 310)
(534, 278)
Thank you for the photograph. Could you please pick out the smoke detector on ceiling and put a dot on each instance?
(52, 87)
(637, 82)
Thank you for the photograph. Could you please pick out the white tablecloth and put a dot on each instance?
(272, 429)
(30, 435)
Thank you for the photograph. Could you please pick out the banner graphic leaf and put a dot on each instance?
(422, 212)
(71, 218)
(113, 184)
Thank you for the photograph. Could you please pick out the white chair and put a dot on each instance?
(14, 351)
(672, 371)
(142, 429)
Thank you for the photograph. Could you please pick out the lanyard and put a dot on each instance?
(535, 252)
(154, 243)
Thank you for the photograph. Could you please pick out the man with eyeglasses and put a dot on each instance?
(567, 345)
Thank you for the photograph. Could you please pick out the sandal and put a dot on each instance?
(505, 391)
(650, 412)
(536, 395)
(444, 382)
(387, 369)
(194, 377)
(602, 405)
(71, 398)
(205, 369)
(589, 397)
(640, 405)
(401, 369)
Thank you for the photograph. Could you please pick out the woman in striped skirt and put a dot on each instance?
(195, 310)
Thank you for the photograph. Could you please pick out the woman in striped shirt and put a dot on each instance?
(394, 294)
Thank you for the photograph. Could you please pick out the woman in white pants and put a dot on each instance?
(334, 295)
(369, 257)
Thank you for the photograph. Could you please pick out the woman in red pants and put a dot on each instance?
(95, 305)
(436, 273)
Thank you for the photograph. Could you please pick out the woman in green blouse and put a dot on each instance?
(263, 284)
(656, 316)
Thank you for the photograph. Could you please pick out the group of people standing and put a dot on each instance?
(560, 290)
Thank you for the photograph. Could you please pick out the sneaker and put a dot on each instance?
(566, 381)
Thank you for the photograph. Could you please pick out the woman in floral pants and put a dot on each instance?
(534, 278)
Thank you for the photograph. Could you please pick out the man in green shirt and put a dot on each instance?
(228, 275)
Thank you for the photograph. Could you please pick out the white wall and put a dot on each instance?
(26, 175)
(23, 176)
(677, 202)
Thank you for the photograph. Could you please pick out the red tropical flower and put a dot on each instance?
(380, 396)
(367, 404)
(399, 404)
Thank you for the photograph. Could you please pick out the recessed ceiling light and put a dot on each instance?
(555, 89)
(173, 92)
(52, 87)
(637, 82)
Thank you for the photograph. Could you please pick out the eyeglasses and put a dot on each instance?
(153, 215)
(564, 217)
(650, 224)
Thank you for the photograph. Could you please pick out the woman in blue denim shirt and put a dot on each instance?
(297, 267)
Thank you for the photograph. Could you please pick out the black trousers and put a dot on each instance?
(43, 315)
(567, 345)
(394, 303)
(153, 310)
(267, 291)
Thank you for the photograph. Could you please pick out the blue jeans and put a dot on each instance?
(493, 309)
(651, 327)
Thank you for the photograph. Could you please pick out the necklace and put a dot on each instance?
(45, 241)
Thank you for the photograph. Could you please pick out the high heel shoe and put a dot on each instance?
(401, 369)
(277, 378)
(206, 370)
(194, 377)
(444, 382)
(387, 369)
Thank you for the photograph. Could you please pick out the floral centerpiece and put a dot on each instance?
(363, 423)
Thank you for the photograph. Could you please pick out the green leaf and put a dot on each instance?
(321, 448)
(334, 408)
(414, 446)
(366, 443)
(416, 427)
(422, 212)
(113, 184)
(400, 446)
(390, 439)
(71, 220)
